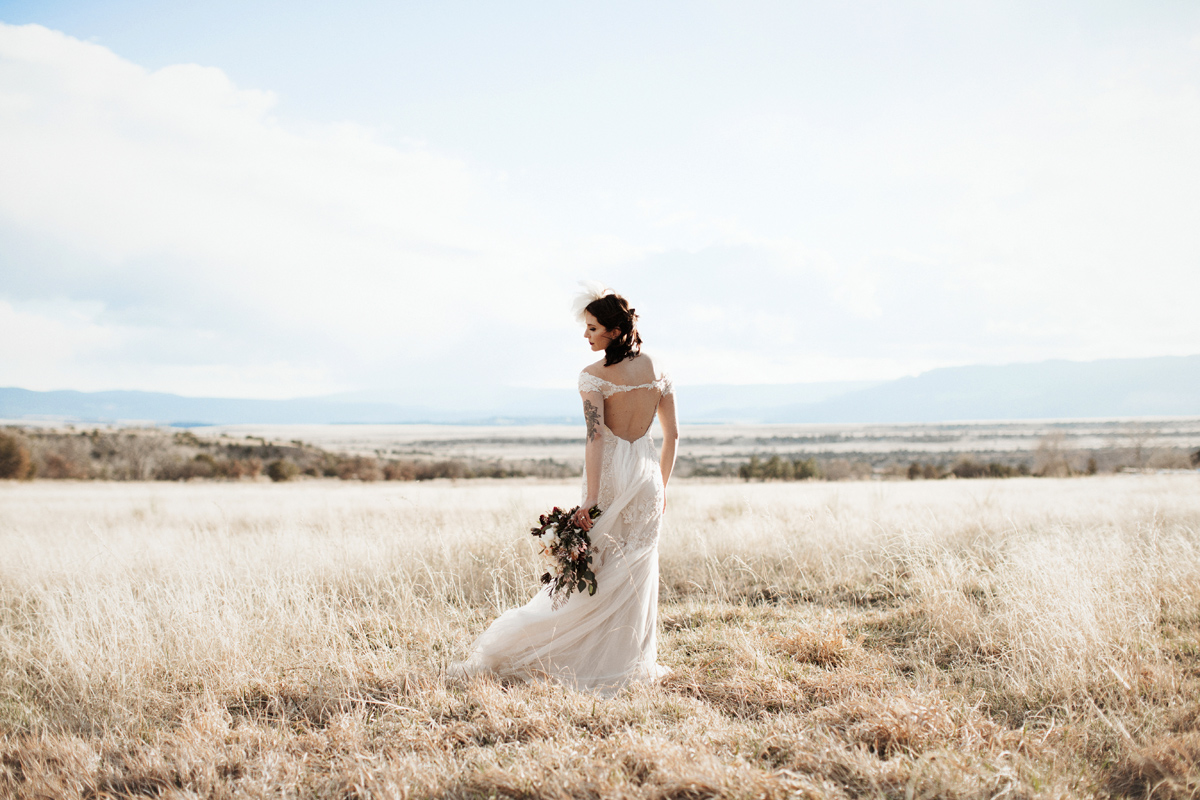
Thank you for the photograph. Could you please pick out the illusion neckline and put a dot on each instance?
(627, 386)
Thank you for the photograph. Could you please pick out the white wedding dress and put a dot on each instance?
(601, 642)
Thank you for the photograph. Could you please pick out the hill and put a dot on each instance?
(1165, 386)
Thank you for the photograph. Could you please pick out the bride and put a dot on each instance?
(600, 643)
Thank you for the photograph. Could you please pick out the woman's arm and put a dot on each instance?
(670, 434)
(593, 453)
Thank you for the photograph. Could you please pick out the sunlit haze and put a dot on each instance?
(398, 200)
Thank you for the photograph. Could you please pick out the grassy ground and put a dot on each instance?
(1018, 638)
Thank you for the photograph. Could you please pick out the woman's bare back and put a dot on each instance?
(629, 414)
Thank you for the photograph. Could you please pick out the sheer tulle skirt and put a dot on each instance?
(602, 642)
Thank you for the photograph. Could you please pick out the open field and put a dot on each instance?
(1145, 442)
(1047, 448)
(986, 638)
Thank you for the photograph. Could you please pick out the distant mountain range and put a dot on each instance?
(1128, 387)
(1136, 387)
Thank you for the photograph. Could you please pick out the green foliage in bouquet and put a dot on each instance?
(569, 549)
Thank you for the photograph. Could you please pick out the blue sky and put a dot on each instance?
(285, 199)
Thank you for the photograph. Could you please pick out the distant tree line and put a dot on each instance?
(965, 468)
(780, 469)
(1051, 458)
(795, 469)
(155, 454)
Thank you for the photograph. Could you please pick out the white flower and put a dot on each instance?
(592, 290)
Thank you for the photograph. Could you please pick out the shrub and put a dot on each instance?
(56, 465)
(808, 468)
(778, 469)
(968, 468)
(180, 470)
(14, 458)
(202, 465)
(399, 471)
(135, 455)
(362, 468)
(929, 472)
(751, 469)
(282, 470)
(236, 468)
(497, 470)
(841, 469)
(687, 466)
(59, 456)
(1051, 458)
(187, 439)
(1169, 458)
(248, 467)
(441, 469)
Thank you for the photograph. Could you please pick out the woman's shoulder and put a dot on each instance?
(658, 375)
(661, 376)
(640, 371)
(646, 369)
(596, 368)
(592, 375)
(641, 368)
(590, 380)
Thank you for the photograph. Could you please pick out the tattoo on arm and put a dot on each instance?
(592, 415)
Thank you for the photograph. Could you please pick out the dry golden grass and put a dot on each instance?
(1023, 638)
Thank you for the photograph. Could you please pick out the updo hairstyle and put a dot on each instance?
(613, 312)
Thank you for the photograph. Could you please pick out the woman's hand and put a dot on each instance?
(582, 518)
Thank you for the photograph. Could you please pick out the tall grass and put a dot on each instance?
(1028, 637)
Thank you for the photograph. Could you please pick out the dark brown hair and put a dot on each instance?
(613, 312)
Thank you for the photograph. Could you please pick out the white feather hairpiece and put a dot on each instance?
(592, 290)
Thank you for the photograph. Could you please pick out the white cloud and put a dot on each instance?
(53, 333)
(182, 189)
(170, 229)
(60, 344)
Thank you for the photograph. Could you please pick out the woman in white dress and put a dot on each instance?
(602, 642)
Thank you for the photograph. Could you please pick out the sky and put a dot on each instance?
(397, 200)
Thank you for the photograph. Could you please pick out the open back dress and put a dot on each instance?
(601, 642)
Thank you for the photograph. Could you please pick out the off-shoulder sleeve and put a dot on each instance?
(667, 386)
(590, 383)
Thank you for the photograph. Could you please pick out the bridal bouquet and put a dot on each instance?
(570, 552)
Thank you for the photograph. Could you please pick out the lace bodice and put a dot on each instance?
(590, 383)
(630, 477)
(625, 464)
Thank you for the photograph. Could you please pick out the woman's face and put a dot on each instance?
(597, 335)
